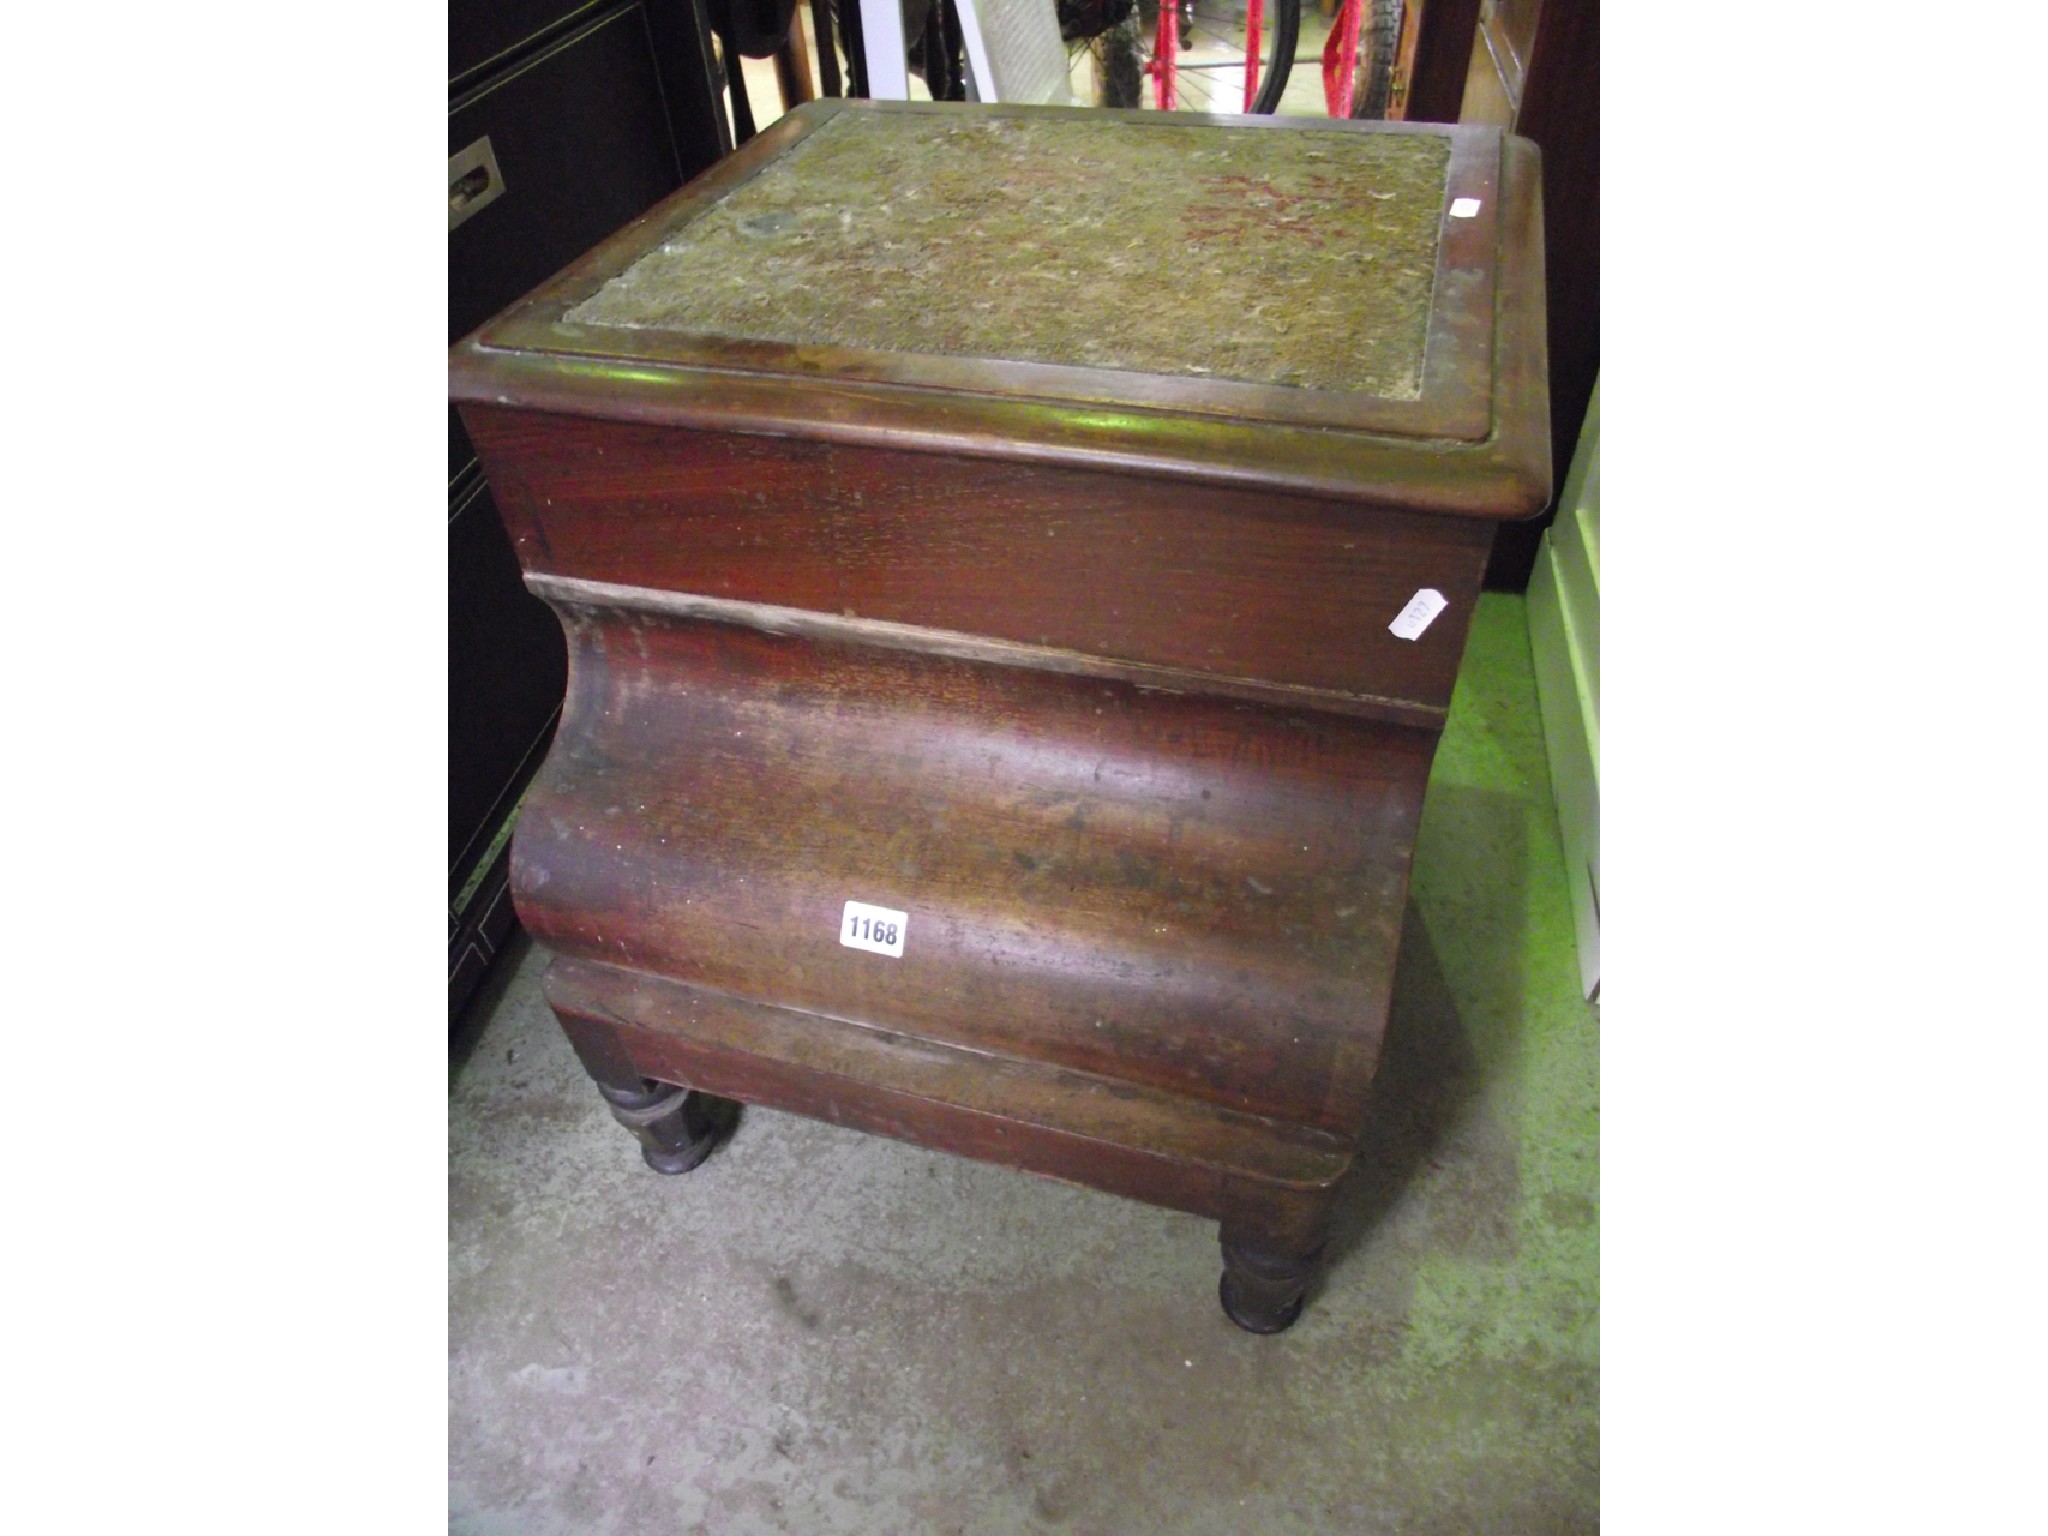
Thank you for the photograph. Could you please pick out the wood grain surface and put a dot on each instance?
(1198, 895)
(1291, 590)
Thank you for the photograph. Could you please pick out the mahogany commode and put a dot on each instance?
(1014, 564)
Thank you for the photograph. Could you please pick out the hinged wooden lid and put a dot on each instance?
(1351, 309)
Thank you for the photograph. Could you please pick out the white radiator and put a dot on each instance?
(1564, 637)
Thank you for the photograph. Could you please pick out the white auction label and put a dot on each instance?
(879, 930)
(1464, 207)
(1420, 613)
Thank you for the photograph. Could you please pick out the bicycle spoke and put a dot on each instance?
(1194, 85)
(1223, 40)
(1188, 76)
(1234, 51)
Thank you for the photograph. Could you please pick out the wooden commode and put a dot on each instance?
(1014, 564)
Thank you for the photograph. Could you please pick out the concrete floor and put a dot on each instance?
(823, 1332)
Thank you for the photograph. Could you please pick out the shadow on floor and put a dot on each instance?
(1442, 1095)
(468, 1029)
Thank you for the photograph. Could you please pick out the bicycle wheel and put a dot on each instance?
(1379, 38)
(1208, 59)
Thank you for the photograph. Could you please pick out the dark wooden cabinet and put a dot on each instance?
(485, 34)
(564, 122)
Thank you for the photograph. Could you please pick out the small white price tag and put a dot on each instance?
(1420, 613)
(1464, 207)
(878, 930)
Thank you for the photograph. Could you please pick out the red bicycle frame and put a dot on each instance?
(1254, 20)
(1164, 64)
(1165, 51)
(1340, 58)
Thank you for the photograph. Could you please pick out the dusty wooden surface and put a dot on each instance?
(1472, 441)
(1303, 259)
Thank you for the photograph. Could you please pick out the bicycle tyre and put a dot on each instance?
(1123, 55)
(1119, 55)
(1285, 20)
(1379, 36)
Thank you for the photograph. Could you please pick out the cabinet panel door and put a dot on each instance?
(482, 30)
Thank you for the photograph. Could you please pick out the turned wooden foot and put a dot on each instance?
(677, 1128)
(1263, 1292)
(1267, 1266)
